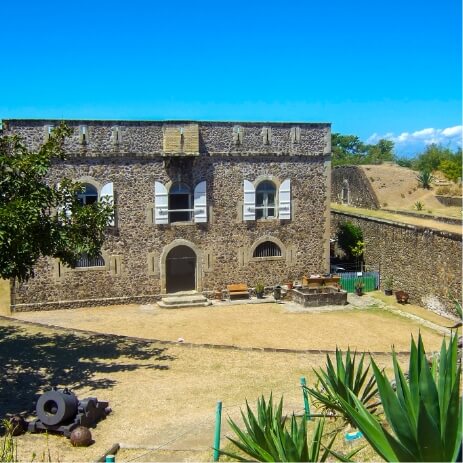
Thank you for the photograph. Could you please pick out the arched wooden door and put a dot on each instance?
(180, 269)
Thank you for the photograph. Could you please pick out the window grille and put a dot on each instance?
(86, 261)
(267, 249)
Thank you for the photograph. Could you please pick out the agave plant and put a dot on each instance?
(268, 436)
(424, 179)
(423, 414)
(340, 382)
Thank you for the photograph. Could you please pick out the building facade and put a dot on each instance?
(198, 206)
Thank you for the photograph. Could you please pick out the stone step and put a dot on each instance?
(184, 305)
(186, 299)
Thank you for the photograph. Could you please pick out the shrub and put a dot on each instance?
(349, 235)
(419, 206)
(423, 413)
(346, 378)
(425, 179)
(8, 449)
(268, 438)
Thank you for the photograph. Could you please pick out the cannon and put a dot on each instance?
(59, 410)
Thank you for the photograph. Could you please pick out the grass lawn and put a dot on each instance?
(265, 325)
(381, 214)
(4, 297)
(163, 396)
(158, 394)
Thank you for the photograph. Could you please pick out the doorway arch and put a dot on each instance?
(180, 267)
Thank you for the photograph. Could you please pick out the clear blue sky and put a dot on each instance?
(368, 67)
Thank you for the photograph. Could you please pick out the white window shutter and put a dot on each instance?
(284, 203)
(161, 204)
(108, 192)
(200, 203)
(60, 209)
(249, 204)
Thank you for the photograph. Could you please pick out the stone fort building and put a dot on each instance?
(198, 205)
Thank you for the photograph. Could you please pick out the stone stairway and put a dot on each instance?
(183, 299)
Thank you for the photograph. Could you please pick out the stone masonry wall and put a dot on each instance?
(360, 192)
(426, 263)
(223, 245)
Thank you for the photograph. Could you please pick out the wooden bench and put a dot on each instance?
(238, 290)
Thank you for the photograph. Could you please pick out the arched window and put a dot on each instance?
(88, 195)
(86, 261)
(180, 204)
(265, 200)
(267, 249)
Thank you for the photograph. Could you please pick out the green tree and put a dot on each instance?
(350, 239)
(431, 157)
(451, 167)
(38, 219)
(347, 149)
(382, 151)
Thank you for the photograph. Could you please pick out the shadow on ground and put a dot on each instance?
(32, 363)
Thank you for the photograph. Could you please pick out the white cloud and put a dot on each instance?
(407, 143)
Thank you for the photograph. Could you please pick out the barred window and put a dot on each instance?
(86, 261)
(267, 249)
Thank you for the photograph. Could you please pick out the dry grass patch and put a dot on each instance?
(265, 325)
(413, 309)
(4, 297)
(381, 214)
(160, 396)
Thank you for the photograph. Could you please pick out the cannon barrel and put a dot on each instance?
(56, 407)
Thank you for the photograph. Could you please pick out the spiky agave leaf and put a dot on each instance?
(338, 382)
(268, 437)
(424, 413)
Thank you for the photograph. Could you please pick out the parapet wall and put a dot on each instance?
(350, 185)
(424, 262)
(154, 138)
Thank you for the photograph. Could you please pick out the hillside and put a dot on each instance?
(397, 188)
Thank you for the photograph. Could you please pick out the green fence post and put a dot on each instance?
(218, 422)
(306, 398)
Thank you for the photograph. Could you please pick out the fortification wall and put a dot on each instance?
(424, 262)
(350, 185)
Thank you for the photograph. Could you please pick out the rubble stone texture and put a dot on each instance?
(135, 248)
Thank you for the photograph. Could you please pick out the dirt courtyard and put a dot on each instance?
(163, 396)
(363, 325)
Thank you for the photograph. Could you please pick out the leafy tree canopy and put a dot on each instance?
(38, 219)
(350, 239)
(349, 149)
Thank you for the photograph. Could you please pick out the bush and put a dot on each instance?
(423, 413)
(268, 438)
(349, 235)
(425, 179)
(346, 378)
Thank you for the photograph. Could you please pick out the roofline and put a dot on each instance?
(177, 121)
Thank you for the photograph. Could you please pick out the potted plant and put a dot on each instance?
(260, 288)
(359, 287)
(388, 283)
